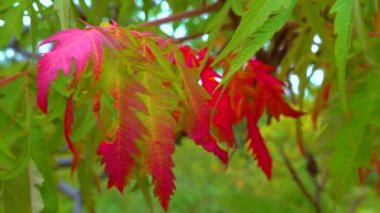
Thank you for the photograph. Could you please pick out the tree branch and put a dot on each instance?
(298, 181)
(199, 34)
(186, 14)
(313, 170)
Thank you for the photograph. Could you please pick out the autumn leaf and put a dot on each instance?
(198, 111)
(119, 155)
(257, 147)
(160, 142)
(254, 91)
(223, 117)
(72, 45)
(257, 84)
(145, 120)
(159, 88)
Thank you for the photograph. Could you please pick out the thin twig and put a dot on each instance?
(189, 37)
(186, 14)
(72, 193)
(318, 190)
(298, 181)
(313, 170)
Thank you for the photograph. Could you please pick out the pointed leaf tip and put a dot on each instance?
(258, 149)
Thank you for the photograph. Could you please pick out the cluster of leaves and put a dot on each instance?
(147, 92)
(155, 90)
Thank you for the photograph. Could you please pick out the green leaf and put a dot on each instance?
(40, 156)
(216, 23)
(143, 184)
(63, 8)
(6, 4)
(20, 165)
(311, 11)
(348, 135)
(342, 28)
(126, 9)
(147, 6)
(219, 18)
(35, 181)
(255, 41)
(237, 6)
(256, 15)
(15, 194)
(13, 24)
(85, 172)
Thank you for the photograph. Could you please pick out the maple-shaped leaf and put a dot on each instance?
(119, 155)
(72, 45)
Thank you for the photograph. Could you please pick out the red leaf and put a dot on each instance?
(192, 59)
(258, 148)
(160, 166)
(199, 114)
(71, 45)
(68, 123)
(253, 91)
(257, 84)
(119, 155)
(199, 131)
(159, 143)
(224, 116)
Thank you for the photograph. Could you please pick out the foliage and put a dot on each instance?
(130, 97)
